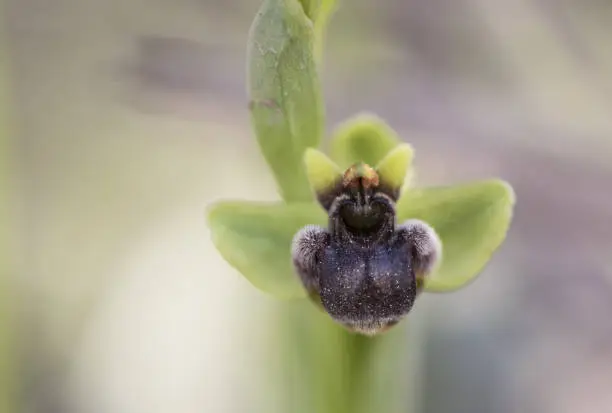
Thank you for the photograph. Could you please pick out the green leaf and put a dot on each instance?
(287, 110)
(364, 138)
(471, 219)
(255, 239)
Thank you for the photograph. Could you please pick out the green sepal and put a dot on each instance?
(255, 239)
(471, 219)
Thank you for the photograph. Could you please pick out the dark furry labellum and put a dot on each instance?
(365, 268)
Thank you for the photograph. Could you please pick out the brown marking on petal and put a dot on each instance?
(360, 174)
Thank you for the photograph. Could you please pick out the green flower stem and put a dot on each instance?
(325, 369)
(326, 10)
(319, 12)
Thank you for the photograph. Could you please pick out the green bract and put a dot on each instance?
(287, 114)
(285, 99)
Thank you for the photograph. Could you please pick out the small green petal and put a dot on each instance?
(322, 172)
(255, 239)
(364, 138)
(472, 221)
(394, 167)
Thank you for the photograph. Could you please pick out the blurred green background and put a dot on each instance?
(122, 120)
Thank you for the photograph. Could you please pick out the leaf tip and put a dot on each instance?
(505, 193)
(509, 190)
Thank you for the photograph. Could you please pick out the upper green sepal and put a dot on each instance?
(471, 219)
(363, 138)
(395, 166)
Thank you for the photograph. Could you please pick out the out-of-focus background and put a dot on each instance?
(126, 118)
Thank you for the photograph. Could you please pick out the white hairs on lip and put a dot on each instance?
(426, 241)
